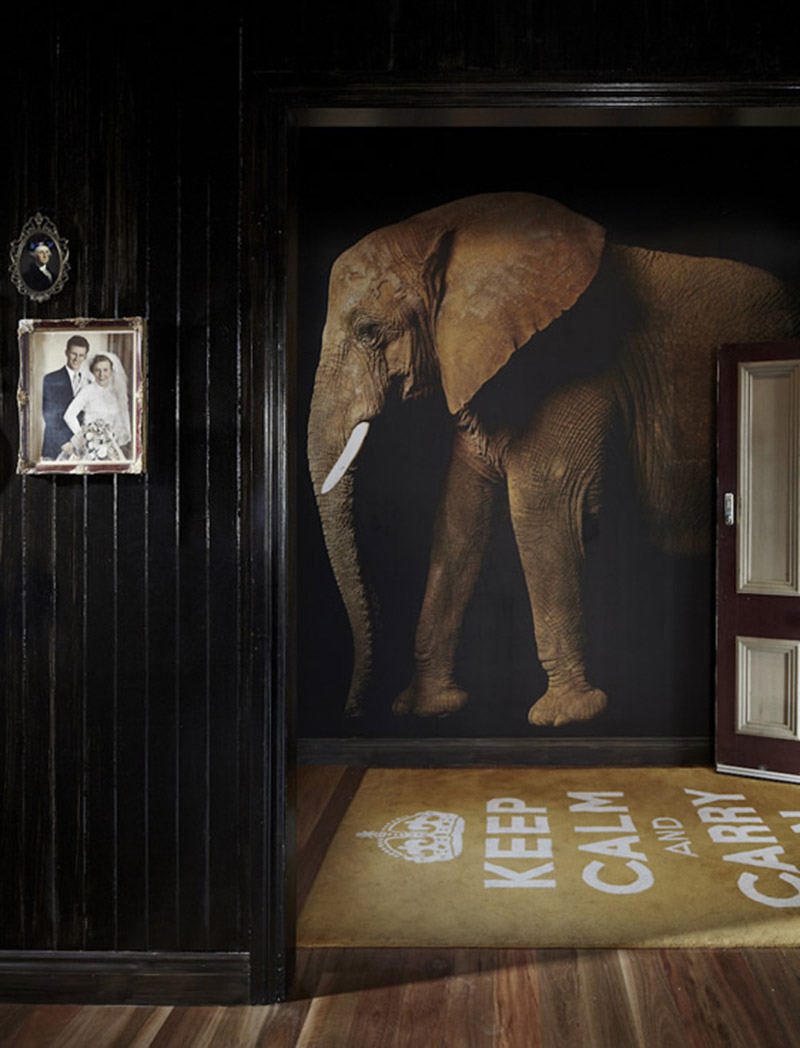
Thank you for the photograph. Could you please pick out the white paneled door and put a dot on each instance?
(758, 561)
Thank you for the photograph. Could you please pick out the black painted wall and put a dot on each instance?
(125, 600)
(139, 723)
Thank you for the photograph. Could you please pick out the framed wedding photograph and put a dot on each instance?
(81, 396)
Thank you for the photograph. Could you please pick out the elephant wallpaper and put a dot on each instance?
(504, 418)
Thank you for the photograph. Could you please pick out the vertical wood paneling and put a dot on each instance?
(13, 817)
(37, 696)
(132, 721)
(102, 698)
(122, 720)
(227, 829)
(193, 640)
(162, 237)
(67, 711)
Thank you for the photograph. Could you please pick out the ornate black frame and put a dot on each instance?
(40, 229)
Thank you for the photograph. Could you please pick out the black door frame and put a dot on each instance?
(270, 101)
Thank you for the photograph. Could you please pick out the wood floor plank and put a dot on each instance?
(12, 1018)
(469, 999)
(557, 976)
(379, 1013)
(142, 1035)
(367, 968)
(778, 975)
(44, 1025)
(656, 1016)
(104, 1025)
(310, 965)
(330, 1017)
(355, 969)
(466, 998)
(517, 1011)
(252, 1027)
(187, 1028)
(687, 997)
(403, 998)
(280, 1026)
(721, 1001)
(603, 1006)
(423, 1009)
(344, 983)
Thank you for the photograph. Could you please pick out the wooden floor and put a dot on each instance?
(457, 998)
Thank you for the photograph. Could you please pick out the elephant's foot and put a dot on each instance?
(560, 706)
(429, 701)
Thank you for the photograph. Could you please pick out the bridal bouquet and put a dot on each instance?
(94, 443)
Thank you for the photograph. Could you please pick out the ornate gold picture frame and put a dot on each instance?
(81, 396)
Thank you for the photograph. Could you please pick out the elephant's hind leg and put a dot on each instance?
(554, 478)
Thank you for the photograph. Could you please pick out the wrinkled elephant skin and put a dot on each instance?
(444, 301)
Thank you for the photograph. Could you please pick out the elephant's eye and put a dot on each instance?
(368, 334)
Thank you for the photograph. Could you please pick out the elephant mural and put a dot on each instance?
(451, 300)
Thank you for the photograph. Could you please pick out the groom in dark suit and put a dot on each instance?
(58, 389)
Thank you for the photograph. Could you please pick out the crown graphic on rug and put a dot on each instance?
(425, 836)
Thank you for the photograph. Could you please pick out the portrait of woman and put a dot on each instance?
(99, 414)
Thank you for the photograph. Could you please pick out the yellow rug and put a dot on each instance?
(561, 857)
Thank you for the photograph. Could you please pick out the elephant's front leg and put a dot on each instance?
(460, 532)
(554, 476)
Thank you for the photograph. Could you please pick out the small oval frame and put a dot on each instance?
(28, 279)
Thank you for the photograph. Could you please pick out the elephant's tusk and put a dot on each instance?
(345, 460)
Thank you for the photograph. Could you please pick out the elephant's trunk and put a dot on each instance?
(327, 437)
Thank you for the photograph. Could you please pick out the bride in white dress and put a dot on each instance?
(106, 429)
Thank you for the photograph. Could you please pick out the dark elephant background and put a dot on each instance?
(720, 190)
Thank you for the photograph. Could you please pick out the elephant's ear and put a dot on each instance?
(516, 262)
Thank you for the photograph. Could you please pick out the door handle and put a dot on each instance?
(729, 508)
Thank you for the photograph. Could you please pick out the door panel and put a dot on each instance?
(758, 561)
(768, 438)
(766, 687)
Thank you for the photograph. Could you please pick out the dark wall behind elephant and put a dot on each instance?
(649, 617)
